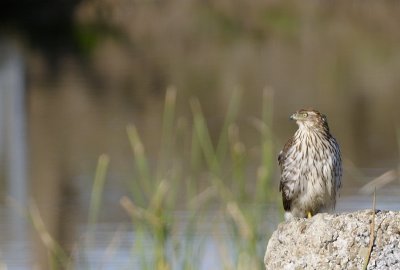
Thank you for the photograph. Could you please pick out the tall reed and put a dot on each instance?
(175, 184)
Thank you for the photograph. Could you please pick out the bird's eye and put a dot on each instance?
(305, 114)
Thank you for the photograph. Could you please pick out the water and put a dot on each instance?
(115, 245)
(387, 198)
(15, 251)
(14, 247)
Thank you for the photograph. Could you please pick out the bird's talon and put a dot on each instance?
(309, 215)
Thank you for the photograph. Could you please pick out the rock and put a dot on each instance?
(336, 241)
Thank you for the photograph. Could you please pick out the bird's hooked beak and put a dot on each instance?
(293, 116)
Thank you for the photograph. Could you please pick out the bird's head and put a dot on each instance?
(310, 118)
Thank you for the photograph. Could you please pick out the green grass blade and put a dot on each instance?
(167, 138)
(231, 115)
(58, 258)
(140, 159)
(97, 189)
(204, 138)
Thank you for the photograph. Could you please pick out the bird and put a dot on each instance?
(311, 167)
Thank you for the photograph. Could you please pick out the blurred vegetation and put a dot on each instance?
(241, 198)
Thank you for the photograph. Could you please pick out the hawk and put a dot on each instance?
(311, 167)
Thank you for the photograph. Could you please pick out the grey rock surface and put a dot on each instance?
(336, 241)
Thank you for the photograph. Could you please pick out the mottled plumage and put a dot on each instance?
(311, 167)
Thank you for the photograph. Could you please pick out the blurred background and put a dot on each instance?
(186, 103)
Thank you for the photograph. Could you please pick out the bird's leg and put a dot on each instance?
(309, 215)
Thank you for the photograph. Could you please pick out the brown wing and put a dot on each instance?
(281, 160)
(282, 154)
(337, 165)
(286, 202)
